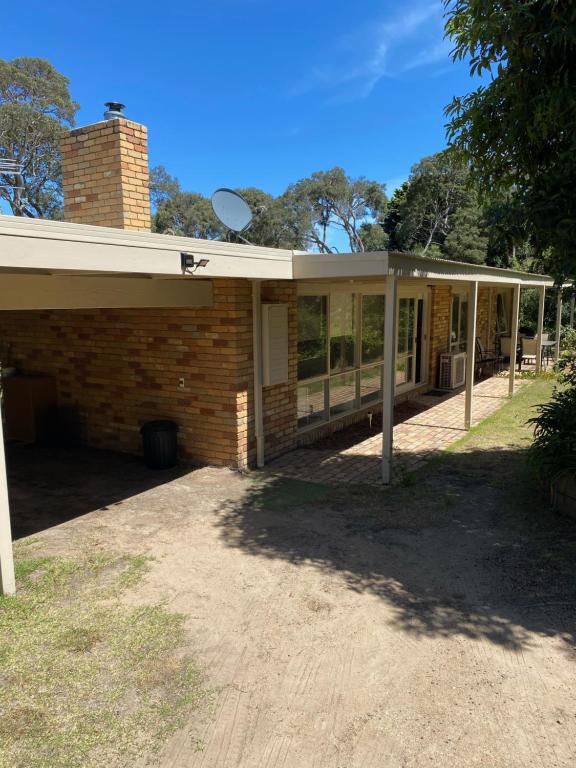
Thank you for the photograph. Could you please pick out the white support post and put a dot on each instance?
(514, 337)
(558, 322)
(540, 327)
(257, 355)
(389, 380)
(572, 302)
(7, 577)
(470, 353)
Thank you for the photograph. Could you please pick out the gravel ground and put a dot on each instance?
(428, 625)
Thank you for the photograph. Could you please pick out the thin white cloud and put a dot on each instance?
(440, 52)
(359, 60)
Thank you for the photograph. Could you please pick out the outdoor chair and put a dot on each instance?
(506, 350)
(505, 347)
(529, 350)
(486, 358)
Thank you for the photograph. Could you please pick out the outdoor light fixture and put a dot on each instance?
(189, 264)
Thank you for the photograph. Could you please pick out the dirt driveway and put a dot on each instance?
(429, 625)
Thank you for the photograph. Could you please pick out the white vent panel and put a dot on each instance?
(274, 344)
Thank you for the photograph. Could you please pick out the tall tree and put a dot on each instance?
(466, 241)
(508, 232)
(35, 110)
(393, 217)
(276, 223)
(517, 130)
(187, 214)
(437, 188)
(163, 187)
(333, 200)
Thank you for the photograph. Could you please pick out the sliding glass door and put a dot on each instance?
(410, 341)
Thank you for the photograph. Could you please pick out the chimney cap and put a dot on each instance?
(114, 109)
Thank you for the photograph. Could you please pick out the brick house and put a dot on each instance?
(253, 354)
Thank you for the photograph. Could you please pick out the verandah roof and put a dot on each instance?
(50, 247)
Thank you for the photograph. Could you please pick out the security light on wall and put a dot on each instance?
(190, 265)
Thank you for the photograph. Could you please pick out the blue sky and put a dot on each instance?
(251, 93)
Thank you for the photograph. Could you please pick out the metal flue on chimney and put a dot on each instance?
(114, 110)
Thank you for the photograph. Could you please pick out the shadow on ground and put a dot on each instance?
(466, 547)
(49, 486)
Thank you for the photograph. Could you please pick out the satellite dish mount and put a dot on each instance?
(232, 211)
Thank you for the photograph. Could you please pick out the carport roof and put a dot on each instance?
(52, 247)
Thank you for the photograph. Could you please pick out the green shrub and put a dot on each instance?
(554, 448)
(568, 338)
(565, 366)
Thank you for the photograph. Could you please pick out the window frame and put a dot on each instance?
(360, 290)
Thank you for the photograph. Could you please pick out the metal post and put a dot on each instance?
(540, 327)
(572, 302)
(389, 379)
(558, 322)
(514, 338)
(470, 353)
(7, 577)
(257, 355)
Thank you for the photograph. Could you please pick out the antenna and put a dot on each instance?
(10, 167)
(232, 210)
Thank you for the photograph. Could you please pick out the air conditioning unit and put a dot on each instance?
(452, 370)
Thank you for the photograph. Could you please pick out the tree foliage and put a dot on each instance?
(438, 187)
(517, 131)
(35, 111)
(187, 214)
(276, 223)
(163, 186)
(333, 200)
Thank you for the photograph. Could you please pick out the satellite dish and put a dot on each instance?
(231, 209)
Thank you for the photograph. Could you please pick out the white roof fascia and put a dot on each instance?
(330, 266)
(318, 266)
(52, 246)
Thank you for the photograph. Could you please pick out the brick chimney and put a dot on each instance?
(105, 173)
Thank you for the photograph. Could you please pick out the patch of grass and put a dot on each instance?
(495, 452)
(508, 426)
(87, 681)
(491, 455)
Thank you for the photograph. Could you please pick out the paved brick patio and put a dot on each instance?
(350, 457)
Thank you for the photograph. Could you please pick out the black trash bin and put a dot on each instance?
(159, 440)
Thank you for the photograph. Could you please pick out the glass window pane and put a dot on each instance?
(401, 371)
(312, 403)
(312, 336)
(371, 385)
(403, 326)
(463, 323)
(406, 325)
(342, 331)
(372, 328)
(501, 313)
(342, 393)
(455, 316)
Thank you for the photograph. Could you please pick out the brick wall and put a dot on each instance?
(485, 317)
(105, 175)
(439, 337)
(118, 368)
